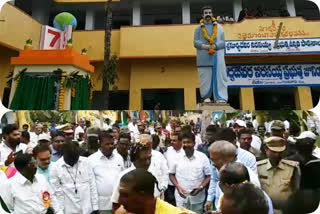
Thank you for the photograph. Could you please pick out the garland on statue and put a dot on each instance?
(206, 36)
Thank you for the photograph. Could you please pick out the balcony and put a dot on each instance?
(18, 27)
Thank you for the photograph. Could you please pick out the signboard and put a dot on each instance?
(290, 75)
(285, 46)
(266, 29)
(52, 38)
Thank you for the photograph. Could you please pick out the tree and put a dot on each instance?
(109, 73)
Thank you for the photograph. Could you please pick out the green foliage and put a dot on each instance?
(69, 41)
(11, 78)
(71, 80)
(58, 117)
(29, 42)
(111, 75)
(84, 50)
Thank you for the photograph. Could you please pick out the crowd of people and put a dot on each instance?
(260, 12)
(241, 168)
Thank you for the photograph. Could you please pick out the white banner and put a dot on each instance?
(52, 38)
(273, 75)
(285, 46)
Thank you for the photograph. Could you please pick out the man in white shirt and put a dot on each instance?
(140, 153)
(122, 148)
(107, 125)
(141, 130)
(162, 136)
(28, 192)
(11, 145)
(245, 140)
(106, 167)
(173, 153)
(73, 181)
(79, 129)
(132, 126)
(191, 175)
(34, 136)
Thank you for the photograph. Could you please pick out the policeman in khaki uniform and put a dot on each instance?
(279, 178)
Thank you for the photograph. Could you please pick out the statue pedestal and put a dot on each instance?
(215, 106)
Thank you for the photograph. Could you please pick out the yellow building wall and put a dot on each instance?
(5, 66)
(163, 73)
(93, 41)
(17, 28)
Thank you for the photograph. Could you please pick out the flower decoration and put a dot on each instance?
(206, 36)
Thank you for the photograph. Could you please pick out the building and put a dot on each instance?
(154, 42)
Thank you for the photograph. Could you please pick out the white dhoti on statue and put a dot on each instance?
(213, 80)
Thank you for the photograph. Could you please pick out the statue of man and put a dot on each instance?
(210, 44)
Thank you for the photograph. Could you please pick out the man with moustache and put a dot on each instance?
(122, 148)
(42, 154)
(191, 175)
(210, 44)
(140, 155)
(106, 166)
(173, 153)
(11, 145)
(28, 192)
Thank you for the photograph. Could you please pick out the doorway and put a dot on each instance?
(169, 99)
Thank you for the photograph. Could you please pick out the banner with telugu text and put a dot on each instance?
(266, 46)
(268, 75)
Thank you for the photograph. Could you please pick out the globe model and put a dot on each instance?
(62, 20)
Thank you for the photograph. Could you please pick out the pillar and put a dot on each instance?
(190, 99)
(136, 13)
(14, 85)
(186, 12)
(67, 99)
(41, 11)
(291, 7)
(237, 7)
(90, 19)
(303, 98)
(135, 100)
(247, 99)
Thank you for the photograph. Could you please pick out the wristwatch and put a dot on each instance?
(201, 187)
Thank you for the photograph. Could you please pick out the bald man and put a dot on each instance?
(221, 153)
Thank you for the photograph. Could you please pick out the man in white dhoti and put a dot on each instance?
(210, 43)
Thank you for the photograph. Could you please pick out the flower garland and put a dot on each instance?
(206, 36)
(62, 91)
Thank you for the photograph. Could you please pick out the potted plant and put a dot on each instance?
(69, 44)
(28, 45)
(84, 51)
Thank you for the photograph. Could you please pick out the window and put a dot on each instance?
(274, 98)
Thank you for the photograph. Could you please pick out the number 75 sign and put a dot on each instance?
(52, 38)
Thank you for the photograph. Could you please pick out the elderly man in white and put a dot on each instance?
(106, 166)
(191, 175)
(221, 153)
(73, 181)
